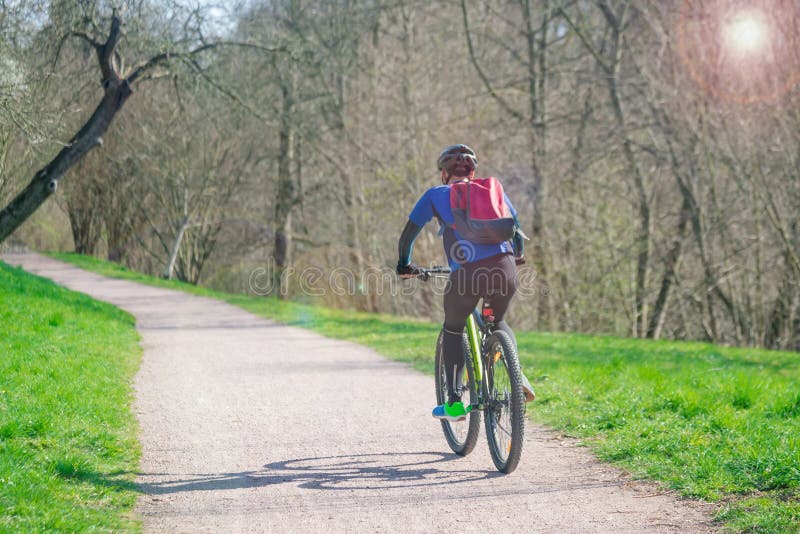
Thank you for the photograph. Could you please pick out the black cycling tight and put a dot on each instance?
(494, 278)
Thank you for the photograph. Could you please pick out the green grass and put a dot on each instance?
(711, 422)
(68, 448)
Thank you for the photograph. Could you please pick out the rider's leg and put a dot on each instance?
(459, 301)
(494, 276)
(499, 280)
(453, 353)
(504, 287)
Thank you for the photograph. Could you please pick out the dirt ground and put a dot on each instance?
(251, 426)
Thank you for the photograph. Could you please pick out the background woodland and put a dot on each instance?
(654, 164)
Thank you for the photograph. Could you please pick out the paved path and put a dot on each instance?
(250, 426)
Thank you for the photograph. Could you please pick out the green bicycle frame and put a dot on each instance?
(473, 337)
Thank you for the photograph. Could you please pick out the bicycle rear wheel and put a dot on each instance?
(463, 435)
(505, 405)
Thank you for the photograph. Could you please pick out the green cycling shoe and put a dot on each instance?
(451, 411)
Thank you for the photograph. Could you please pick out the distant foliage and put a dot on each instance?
(651, 152)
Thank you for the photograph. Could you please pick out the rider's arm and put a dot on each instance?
(421, 214)
(406, 244)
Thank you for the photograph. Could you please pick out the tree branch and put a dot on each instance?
(227, 92)
(589, 46)
(480, 72)
(611, 18)
(106, 53)
(86, 37)
(139, 70)
(164, 57)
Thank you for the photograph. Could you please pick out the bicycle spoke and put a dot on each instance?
(505, 410)
(504, 429)
(501, 404)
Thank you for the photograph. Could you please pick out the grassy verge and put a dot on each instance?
(68, 447)
(711, 422)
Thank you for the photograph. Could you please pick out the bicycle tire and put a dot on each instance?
(462, 436)
(505, 403)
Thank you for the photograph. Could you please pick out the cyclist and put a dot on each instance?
(478, 270)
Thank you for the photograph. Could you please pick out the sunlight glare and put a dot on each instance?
(746, 33)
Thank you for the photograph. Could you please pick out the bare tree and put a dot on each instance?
(535, 23)
(117, 84)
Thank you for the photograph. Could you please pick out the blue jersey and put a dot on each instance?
(435, 202)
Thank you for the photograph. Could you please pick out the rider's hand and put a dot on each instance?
(519, 260)
(408, 271)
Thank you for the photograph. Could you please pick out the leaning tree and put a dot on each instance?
(118, 83)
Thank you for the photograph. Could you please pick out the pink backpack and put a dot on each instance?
(480, 211)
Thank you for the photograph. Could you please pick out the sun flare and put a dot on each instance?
(747, 33)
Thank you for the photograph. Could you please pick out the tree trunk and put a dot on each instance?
(45, 182)
(85, 227)
(176, 247)
(285, 199)
(642, 241)
(537, 83)
(659, 314)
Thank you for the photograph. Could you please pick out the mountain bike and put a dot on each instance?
(492, 383)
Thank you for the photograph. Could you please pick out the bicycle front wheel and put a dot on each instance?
(505, 405)
(461, 436)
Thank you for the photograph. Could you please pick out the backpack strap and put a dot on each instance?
(442, 224)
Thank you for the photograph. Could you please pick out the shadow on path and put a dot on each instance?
(384, 471)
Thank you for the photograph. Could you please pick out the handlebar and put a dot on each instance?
(425, 274)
